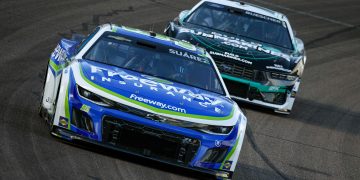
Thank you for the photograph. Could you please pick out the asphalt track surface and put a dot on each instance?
(319, 140)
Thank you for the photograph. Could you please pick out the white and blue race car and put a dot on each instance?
(145, 94)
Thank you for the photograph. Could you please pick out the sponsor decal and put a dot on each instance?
(239, 43)
(157, 104)
(85, 108)
(227, 165)
(186, 95)
(63, 122)
(274, 88)
(59, 54)
(203, 34)
(189, 56)
(231, 56)
(123, 78)
(278, 67)
(263, 17)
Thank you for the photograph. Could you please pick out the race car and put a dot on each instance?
(144, 94)
(255, 49)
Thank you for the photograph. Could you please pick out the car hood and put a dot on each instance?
(156, 95)
(227, 47)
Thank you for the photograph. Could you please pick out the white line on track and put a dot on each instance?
(307, 14)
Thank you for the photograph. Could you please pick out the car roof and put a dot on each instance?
(156, 38)
(250, 7)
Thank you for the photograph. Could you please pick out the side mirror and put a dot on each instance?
(183, 15)
(300, 45)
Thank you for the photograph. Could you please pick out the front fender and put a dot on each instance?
(59, 59)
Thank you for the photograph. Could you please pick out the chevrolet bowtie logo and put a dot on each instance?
(225, 67)
(155, 117)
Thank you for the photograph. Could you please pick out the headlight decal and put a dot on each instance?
(67, 109)
(216, 129)
(94, 98)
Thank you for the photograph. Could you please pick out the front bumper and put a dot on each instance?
(147, 138)
(282, 100)
(69, 135)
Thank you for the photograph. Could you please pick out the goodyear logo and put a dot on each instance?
(63, 122)
(227, 165)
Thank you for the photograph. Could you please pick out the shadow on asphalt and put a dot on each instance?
(139, 160)
(244, 171)
(314, 113)
(250, 172)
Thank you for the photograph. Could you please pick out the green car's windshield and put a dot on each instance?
(156, 60)
(242, 23)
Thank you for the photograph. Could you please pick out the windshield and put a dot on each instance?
(242, 23)
(156, 60)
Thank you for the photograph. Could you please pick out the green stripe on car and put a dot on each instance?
(230, 153)
(67, 110)
(157, 110)
(211, 46)
(259, 86)
(55, 67)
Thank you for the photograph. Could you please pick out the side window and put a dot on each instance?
(86, 40)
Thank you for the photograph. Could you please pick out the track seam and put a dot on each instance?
(309, 145)
(307, 14)
(312, 43)
(263, 156)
